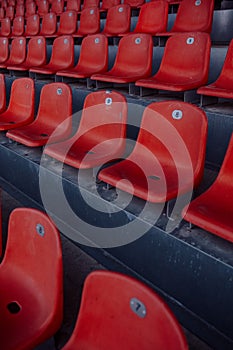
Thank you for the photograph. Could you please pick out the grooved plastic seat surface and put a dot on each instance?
(53, 122)
(153, 17)
(20, 110)
(42, 7)
(5, 29)
(30, 9)
(49, 24)
(19, 10)
(17, 52)
(212, 210)
(118, 20)
(89, 22)
(93, 58)
(32, 26)
(133, 60)
(68, 23)
(223, 86)
(141, 318)
(62, 56)
(168, 157)
(186, 71)
(10, 12)
(31, 281)
(101, 133)
(36, 54)
(18, 26)
(193, 16)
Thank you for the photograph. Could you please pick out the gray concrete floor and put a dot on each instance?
(77, 265)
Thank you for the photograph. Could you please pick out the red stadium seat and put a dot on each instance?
(49, 25)
(142, 319)
(62, 56)
(89, 22)
(53, 122)
(153, 17)
(2, 13)
(90, 4)
(2, 94)
(17, 52)
(107, 4)
(20, 110)
(19, 10)
(212, 210)
(101, 133)
(223, 86)
(68, 23)
(57, 6)
(4, 50)
(168, 158)
(4, 4)
(73, 5)
(31, 280)
(93, 58)
(5, 29)
(30, 9)
(118, 20)
(18, 26)
(193, 16)
(32, 26)
(36, 55)
(10, 12)
(133, 60)
(181, 72)
(134, 3)
(42, 7)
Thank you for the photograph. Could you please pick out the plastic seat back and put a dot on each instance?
(19, 10)
(190, 67)
(10, 12)
(18, 26)
(2, 13)
(21, 104)
(194, 15)
(68, 23)
(49, 24)
(107, 4)
(5, 27)
(17, 52)
(32, 25)
(134, 3)
(2, 93)
(4, 49)
(89, 21)
(35, 281)
(142, 320)
(57, 6)
(153, 17)
(118, 20)
(36, 54)
(134, 56)
(62, 52)
(90, 4)
(42, 7)
(73, 5)
(30, 9)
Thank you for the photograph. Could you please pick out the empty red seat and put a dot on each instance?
(62, 56)
(93, 58)
(101, 133)
(90, 4)
(18, 26)
(4, 50)
(68, 23)
(10, 12)
(168, 158)
(73, 5)
(32, 26)
(2, 13)
(2, 95)
(17, 52)
(107, 4)
(223, 86)
(135, 316)
(49, 24)
(53, 121)
(134, 3)
(153, 17)
(181, 72)
(19, 10)
(89, 22)
(118, 20)
(212, 210)
(57, 6)
(20, 110)
(42, 7)
(36, 55)
(133, 60)
(193, 16)
(31, 294)
(5, 29)
(30, 9)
